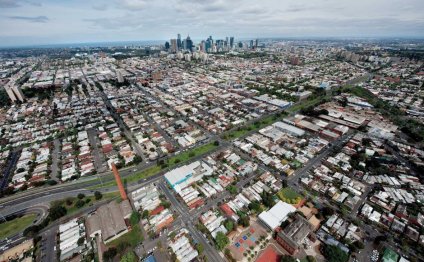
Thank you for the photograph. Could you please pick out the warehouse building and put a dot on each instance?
(276, 215)
(109, 221)
(184, 176)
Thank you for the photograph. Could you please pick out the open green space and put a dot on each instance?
(288, 195)
(310, 102)
(243, 130)
(10, 228)
(131, 238)
(171, 162)
(88, 200)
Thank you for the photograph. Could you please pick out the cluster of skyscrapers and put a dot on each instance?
(178, 44)
(209, 45)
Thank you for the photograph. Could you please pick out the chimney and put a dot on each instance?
(119, 182)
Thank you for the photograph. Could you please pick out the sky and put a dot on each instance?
(34, 22)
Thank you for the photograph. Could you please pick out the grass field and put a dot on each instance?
(288, 195)
(133, 238)
(72, 209)
(173, 161)
(306, 103)
(10, 228)
(243, 130)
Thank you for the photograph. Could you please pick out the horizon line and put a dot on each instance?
(80, 44)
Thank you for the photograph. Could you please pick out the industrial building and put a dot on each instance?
(109, 221)
(292, 130)
(184, 176)
(292, 236)
(276, 215)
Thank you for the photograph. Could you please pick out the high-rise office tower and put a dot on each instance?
(203, 46)
(179, 44)
(174, 46)
(189, 44)
(256, 43)
(232, 42)
(208, 45)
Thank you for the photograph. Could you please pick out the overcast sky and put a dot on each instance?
(29, 22)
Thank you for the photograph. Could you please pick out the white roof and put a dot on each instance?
(277, 214)
(289, 128)
(180, 173)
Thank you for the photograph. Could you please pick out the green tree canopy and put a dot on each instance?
(221, 240)
(334, 254)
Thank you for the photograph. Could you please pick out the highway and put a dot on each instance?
(39, 210)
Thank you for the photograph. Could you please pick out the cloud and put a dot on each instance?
(9, 4)
(16, 3)
(106, 20)
(196, 6)
(100, 7)
(116, 23)
(133, 5)
(33, 19)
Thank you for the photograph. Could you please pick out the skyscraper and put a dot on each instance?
(189, 44)
(232, 42)
(174, 46)
(179, 44)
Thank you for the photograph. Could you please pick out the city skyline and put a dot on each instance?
(60, 22)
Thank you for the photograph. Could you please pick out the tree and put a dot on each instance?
(57, 211)
(267, 199)
(134, 218)
(216, 143)
(232, 189)
(229, 225)
(200, 248)
(311, 258)
(80, 203)
(129, 257)
(165, 204)
(221, 241)
(334, 254)
(81, 241)
(256, 206)
(81, 196)
(98, 195)
(69, 201)
(244, 221)
(109, 254)
(172, 235)
(287, 258)
(145, 214)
